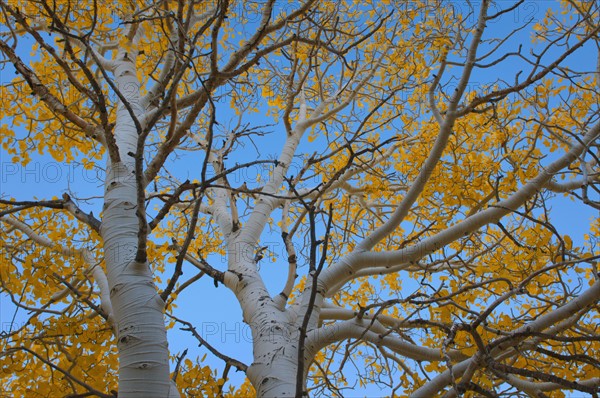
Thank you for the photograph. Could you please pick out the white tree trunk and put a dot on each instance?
(138, 309)
(274, 332)
(275, 343)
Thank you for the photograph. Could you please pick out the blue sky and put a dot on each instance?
(215, 311)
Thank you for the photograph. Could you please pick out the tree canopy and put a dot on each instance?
(383, 186)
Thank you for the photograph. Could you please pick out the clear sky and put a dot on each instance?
(215, 311)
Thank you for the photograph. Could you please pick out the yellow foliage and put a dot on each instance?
(374, 82)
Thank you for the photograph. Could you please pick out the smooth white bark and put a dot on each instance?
(138, 309)
(376, 334)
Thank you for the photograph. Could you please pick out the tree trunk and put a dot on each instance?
(138, 309)
(274, 332)
(275, 342)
